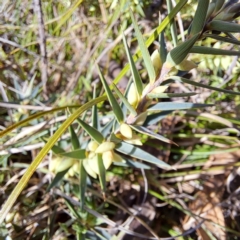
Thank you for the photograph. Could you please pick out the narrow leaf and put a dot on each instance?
(199, 17)
(72, 208)
(163, 106)
(82, 184)
(169, 95)
(102, 174)
(136, 152)
(219, 5)
(221, 38)
(144, 51)
(179, 53)
(115, 106)
(135, 74)
(125, 101)
(156, 117)
(33, 166)
(93, 132)
(146, 131)
(214, 51)
(131, 163)
(76, 154)
(74, 138)
(59, 176)
(94, 110)
(185, 80)
(57, 150)
(223, 26)
(152, 37)
(163, 48)
(173, 27)
(66, 16)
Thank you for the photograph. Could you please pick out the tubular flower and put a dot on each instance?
(126, 134)
(90, 163)
(61, 164)
(106, 150)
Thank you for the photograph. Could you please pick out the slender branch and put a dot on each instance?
(42, 42)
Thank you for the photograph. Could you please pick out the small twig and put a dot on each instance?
(11, 43)
(103, 11)
(42, 42)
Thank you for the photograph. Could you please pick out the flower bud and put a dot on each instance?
(71, 172)
(92, 146)
(133, 97)
(104, 147)
(156, 61)
(141, 118)
(126, 131)
(107, 159)
(54, 163)
(159, 89)
(88, 168)
(65, 164)
(91, 155)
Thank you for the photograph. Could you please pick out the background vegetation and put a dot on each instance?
(48, 57)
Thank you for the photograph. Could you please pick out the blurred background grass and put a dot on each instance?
(79, 34)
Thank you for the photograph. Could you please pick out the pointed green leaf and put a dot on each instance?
(59, 176)
(169, 95)
(57, 150)
(146, 131)
(156, 117)
(221, 38)
(144, 51)
(199, 17)
(163, 48)
(163, 106)
(210, 11)
(82, 184)
(185, 80)
(125, 101)
(219, 5)
(93, 132)
(76, 154)
(214, 51)
(136, 152)
(94, 110)
(224, 26)
(33, 166)
(126, 92)
(115, 106)
(179, 53)
(131, 163)
(173, 27)
(102, 173)
(135, 74)
(72, 209)
(74, 138)
(152, 37)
